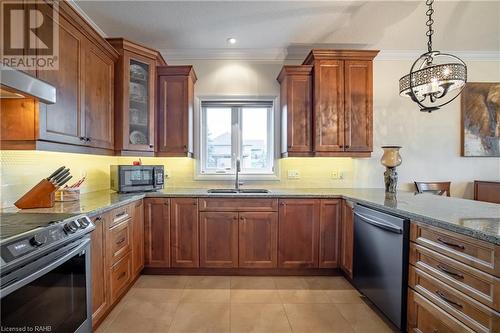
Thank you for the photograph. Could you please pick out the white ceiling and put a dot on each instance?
(277, 28)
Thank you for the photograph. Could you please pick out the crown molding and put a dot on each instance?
(299, 54)
(87, 18)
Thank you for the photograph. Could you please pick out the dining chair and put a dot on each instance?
(439, 188)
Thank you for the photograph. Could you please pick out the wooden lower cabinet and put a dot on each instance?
(258, 240)
(137, 237)
(298, 233)
(347, 238)
(329, 233)
(157, 232)
(120, 276)
(425, 317)
(218, 239)
(184, 232)
(100, 296)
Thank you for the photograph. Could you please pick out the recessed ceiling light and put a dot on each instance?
(231, 41)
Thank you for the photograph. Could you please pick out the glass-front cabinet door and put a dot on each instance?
(138, 103)
(138, 111)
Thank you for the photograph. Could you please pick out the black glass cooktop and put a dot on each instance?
(12, 224)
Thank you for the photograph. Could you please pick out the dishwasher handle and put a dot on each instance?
(381, 225)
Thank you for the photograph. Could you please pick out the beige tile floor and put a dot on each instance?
(219, 304)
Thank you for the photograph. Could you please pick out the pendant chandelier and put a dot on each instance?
(435, 78)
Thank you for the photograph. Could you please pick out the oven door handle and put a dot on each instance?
(54, 264)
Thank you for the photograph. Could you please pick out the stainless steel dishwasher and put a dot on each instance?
(380, 269)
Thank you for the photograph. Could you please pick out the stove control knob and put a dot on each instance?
(71, 227)
(38, 240)
(84, 222)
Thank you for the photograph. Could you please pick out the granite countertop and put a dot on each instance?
(472, 218)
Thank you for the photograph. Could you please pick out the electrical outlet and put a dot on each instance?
(335, 174)
(293, 174)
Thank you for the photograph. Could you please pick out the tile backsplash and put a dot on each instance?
(20, 170)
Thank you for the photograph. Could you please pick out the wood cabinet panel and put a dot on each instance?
(120, 277)
(184, 232)
(329, 106)
(358, 121)
(258, 240)
(347, 238)
(473, 252)
(238, 205)
(175, 110)
(137, 237)
(329, 233)
(118, 241)
(479, 285)
(218, 239)
(425, 317)
(474, 314)
(99, 99)
(100, 294)
(298, 233)
(64, 120)
(296, 109)
(157, 232)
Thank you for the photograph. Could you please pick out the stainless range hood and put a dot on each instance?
(17, 84)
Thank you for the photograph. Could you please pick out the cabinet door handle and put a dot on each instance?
(282, 204)
(151, 146)
(447, 271)
(87, 139)
(120, 241)
(122, 275)
(447, 300)
(458, 246)
(346, 146)
(82, 138)
(99, 218)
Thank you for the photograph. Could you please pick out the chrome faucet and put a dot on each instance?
(238, 170)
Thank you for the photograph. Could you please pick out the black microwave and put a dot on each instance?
(136, 178)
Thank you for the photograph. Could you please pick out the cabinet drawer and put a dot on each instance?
(120, 277)
(120, 214)
(474, 314)
(425, 317)
(473, 252)
(238, 205)
(480, 286)
(119, 241)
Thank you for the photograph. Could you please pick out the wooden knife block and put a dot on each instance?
(40, 196)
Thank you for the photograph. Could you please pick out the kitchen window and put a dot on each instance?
(232, 130)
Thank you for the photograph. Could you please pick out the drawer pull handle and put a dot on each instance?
(121, 214)
(458, 246)
(447, 271)
(120, 241)
(122, 275)
(447, 300)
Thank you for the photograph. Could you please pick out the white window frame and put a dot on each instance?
(236, 105)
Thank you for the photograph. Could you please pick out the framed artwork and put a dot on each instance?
(481, 119)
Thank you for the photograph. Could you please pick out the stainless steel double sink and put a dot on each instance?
(236, 191)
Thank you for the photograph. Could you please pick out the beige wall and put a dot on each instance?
(431, 142)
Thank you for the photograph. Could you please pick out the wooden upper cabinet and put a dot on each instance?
(298, 233)
(157, 232)
(175, 86)
(99, 78)
(258, 239)
(64, 121)
(347, 238)
(329, 233)
(342, 97)
(218, 239)
(81, 120)
(329, 106)
(184, 232)
(135, 93)
(358, 121)
(296, 110)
